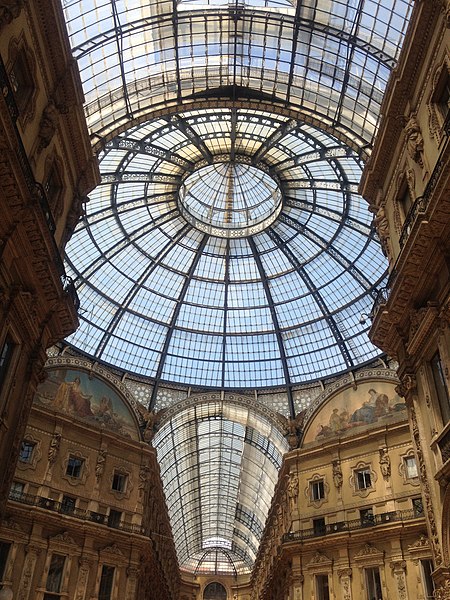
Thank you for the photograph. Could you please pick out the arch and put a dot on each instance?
(76, 388)
(215, 591)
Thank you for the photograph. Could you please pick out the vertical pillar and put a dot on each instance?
(408, 390)
(83, 576)
(398, 569)
(345, 581)
(32, 553)
(132, 579)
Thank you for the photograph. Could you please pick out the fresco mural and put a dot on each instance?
(371, 403)
(73, 392)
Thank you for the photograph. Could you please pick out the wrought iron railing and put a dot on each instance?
(72, 511)
(362, 523)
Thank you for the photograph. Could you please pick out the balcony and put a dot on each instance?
(70, 511)
(353, 525)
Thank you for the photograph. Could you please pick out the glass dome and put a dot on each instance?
(178, 298)
(230, 199)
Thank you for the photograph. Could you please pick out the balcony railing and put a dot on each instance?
(353, 525)
(71, 511)
(36, 190)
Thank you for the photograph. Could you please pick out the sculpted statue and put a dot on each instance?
(293, 429)
(100, 464)
(337, 474)
(385, 462)
(293, 491)
(414, 140)
(54, 447)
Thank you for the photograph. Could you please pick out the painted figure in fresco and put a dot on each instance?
(376, 407)
(71, 399)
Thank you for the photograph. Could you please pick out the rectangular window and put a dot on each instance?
(373, 584)
(119, 482)
(317, 490)
(55, 573)
(114, 518)
(363, 479)
(21, 80)
(322, 587)
(427, 580)
(6, 354)
(319, 526)
(367, 517)
(440, 386)
(68, 504)
(26, 451)
(417, 506)
(16, 491)
(74, 466)
(106, 583)
(4, 551)
(410, 467)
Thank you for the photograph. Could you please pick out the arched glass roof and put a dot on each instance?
(329, 60)
(212, 455)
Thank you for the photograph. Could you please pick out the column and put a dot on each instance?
(345, 581)
(83, 576)
(398, 569)
(32, 552)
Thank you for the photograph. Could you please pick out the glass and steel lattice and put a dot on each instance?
(250, 272)
(227, 246)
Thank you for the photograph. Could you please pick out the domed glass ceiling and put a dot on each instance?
(164, 298)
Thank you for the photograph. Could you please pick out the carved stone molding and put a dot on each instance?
(345, 573)
(319, 562)
(408, 385)
(369, 555)
(443, 592)
(432, 526)
(422, 321)
(62, 538)
(10, 10)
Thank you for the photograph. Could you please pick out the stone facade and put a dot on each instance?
(407, 185)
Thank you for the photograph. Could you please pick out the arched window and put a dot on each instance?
(215, 591)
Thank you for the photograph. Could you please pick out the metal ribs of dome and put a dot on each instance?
(280, 307)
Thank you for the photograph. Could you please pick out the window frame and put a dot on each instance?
(360, 479)
(317, 490)
(74, 474)
(119, 476)
(5, 549)
(54, 586)
(440, 386)
(374, 588)
(105, 587)
(322, 586)
(28, 458)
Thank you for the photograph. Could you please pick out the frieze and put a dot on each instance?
(369, 552)
(63, 538)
